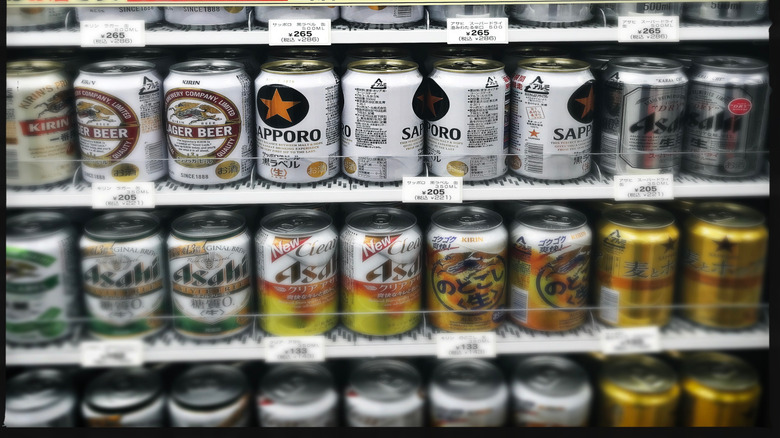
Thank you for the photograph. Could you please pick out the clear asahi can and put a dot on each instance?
(553, 15)
(210, 396)
(207, 17)
(440, 13)
(42, 397)
(125, 397)
(384, 393)
(149, 14)
(468, 393)
(36, 18)
(383, 16)
(265, 13)
(298, 395)
(737, 12)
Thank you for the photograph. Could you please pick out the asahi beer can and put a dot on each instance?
(726, 12)
(440, 14)
(265, 13)
(41, 397)
(162, 58)
(382, 131)
(550, 391)
(383, 15)
(466, 254)
(552, 15)
(384, 393)
(442, 52)
(125, 397)
(549, 267)
(210, 261)
(41, 277)
(120, 122)
(635, 263)
(298, 136)
(550, 147)
(36, 18)
(727, 116)
(240, 55)
(207, 17)
(149, 14)
(516, 53)
(208, 107)
(40, 146)
(381, 271)
(298, 395)
(468, 393)
(210, 396)
(642, 116)
(638, 391)
(123, 270)
(723, 265)
(668, 9)
(459, 143)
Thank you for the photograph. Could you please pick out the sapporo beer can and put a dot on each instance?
(384, 393)
(553, 15)
(36, 18)
(723, 265)
(207, 17)
(468, 393)
(440, 13)
(41, 277)
(120, 121)
(635, 265)
(381, 271)
(125, 397)
(726, 12)
(40, 147)
(265, 13)
(42, 397)
(123, 270)
(549, 267)
(210, 396)
(298, 136)
(149, 14)
(208, 108)
(459, 142)
(298, 395)
(210, 266)
(383, 15)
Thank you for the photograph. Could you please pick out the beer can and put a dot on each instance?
(440, 53)
(516, 53)
(35, 18)
(240, 55)
(123, 269)
(552, 15)
(298, 136)
(727, 116)
(459, 143)
(383, 15)
(265, 13)
(162, 58)
(41, 280)
(549, 267)
(550, 391)
(298, 395)
(635, 265)
(468, 393)
(302, 53)
(550, 147)
(378, 147)
(381, 271)
(41, 397)
(124, 397)
(466, 254)
(149, 14)
(210, 396)
(208, 107)
(40, 146)
(384, 393)
(726, 12)
(207, 17)
(668, 9)
(718, 390)
(724, 264)
(209, 260)
(440, 13)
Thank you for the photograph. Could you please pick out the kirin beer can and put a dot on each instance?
(243, 56)
(382, 16)
(207, 17)
(384, 393)
(726, 12)
(552, 15)
(440, 14)
(149, 14)
(42, 397)
(298, 395)
(210, 396)
(125, 397)
(265, 13)
(468, 393)
(36, 18)
(516, 53)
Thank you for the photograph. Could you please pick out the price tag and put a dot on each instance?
(477, 30)
(648, 29)
(432, 189)
(123, 195)
(299, 32)
(644, 187)
(630, 340)
(112, 353)
(465, 345)
(294, 349)
(106, 33)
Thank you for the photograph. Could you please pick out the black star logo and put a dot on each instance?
(669, 245)
(724, 245)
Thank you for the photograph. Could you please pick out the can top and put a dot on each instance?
(550, 217)
(117, 67)
(212, 225)
(299, 53)
(639, 373)
(731, 64)
(124, 226)
(226, 53)
(373, 52)
(36, 224)
(37, 389)
(726, 214)
(32, 67)
(296, 66)
(641, 216)
(297, 383)
(722, 372)
(123, 389)
(385, 380)
(468, 219)
(296, 222)
(381, 220)
(459, 52)
(209, 387)
(470, 379)
(553, 64)
(551, 376)
(468, 65)
(647, 64)
(536, 52)
(206, 66)
(145, 53)
(383, 66)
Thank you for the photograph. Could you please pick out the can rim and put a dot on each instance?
(405, 65)
(699, 210)
(582, 220)
(741, 63)
(234, 66)
(436, 215)
(356, 52)
(668, 218)
(319, 66)
(349, 219)
(62, 221)
(490, 65)
(47, 65)
(194, 236)
(94, 68)
(550, 64)
(100, 236)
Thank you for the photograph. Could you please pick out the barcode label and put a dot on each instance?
(608, 305)
(403, 11)
(520, 304)
(11, 163)
(608, 157)
(534, 158)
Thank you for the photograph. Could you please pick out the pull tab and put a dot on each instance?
(381, 220)
(555, 219)
(128, 225)
(212, 224)
(472, 219)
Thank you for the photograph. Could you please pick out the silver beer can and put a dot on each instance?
(553, 15)
(125, 397)
(149, 14)
(40, 398)
(726, 12)
(383, 15)
(298, 395)
(265, 13)
(384, 393)
(240, 55)
(440, 13)
(468, 393)
(210, 396)
(207, 17)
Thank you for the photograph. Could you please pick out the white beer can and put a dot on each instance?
(35, 18)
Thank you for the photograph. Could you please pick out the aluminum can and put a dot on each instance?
(635, 263)
(726, 12)
(250, 212)
(40, 398)
(440, 53)
(381, 271)
(298, 395)
(440, 14)
(302, 53)
(383, 15)
(718, 390)
(210, 266)
(265, 13)
(552, 15)
(687, 54)
(36, 18)
(668, 9)
(550, 391)
(466, 264)
(508, 208)
(123, 269)
(349, 208)
(543, 146)
(149, 14)
(468, 393)
(384, 393)
(727, 116)
(125, 397)
(460, 143)
(724, 264)
(240, 55)
(162, 58)
(376, 146)
(330, 209)
(210, 396)
(40, 145)
(298, 136)
(208, 17)
(41, 281)
(363, 53)
(516, 53)
(549, 267)
(208, 107)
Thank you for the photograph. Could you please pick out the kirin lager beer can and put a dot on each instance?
(207, 17)
(42, 397)
(552, 15)
(468, 393)
(125, 397)
(726, 12)
(383, 16)
(384, 393)
(265, 13)
(210, 396)
(298, 395)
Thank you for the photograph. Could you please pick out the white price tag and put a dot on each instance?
(126, 353)
(465, 345)
(477, 30)
(630, 340)
(299, 32)
(294, 349)
(644, 187)
(648, 29)
(108, 33)
(123, 195)
(432, 189)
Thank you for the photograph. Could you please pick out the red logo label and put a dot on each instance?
(45, 126)
(282, 246)
(375, 244)
(740, 107)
